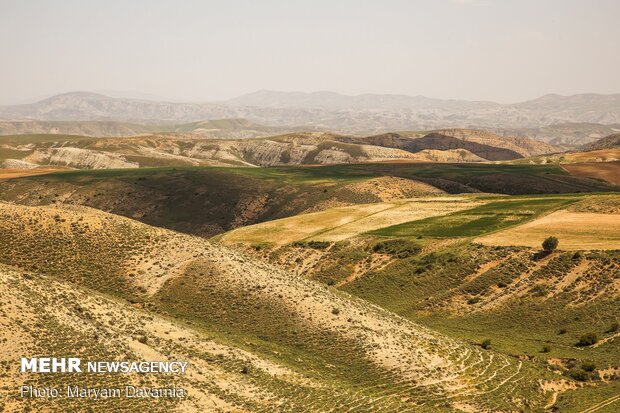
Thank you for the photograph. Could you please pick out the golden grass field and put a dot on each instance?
(575, 230)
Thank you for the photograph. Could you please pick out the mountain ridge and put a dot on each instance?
(329, 110)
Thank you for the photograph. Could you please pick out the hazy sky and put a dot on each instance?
(200, 50)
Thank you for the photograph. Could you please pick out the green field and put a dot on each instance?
(479, 220)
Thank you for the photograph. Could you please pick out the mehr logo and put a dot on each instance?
(50, 365)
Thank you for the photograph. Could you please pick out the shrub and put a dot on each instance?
(587, 340)
(335, 311)
(486, 343)
(397, 247)
(550, 244)
(588, 366)
(318, 245)
(614, 328)
(473, 300)
(562, 331)
(578, 374)
(540, 290)
(546, 349)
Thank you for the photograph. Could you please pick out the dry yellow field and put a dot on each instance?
(18, 173)
(575, 230)
(337, 224)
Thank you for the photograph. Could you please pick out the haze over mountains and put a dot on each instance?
(360, 114)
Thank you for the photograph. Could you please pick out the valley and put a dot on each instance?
(315, 271)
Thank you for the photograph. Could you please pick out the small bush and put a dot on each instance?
(587, 340)
(397, 247)
(578, 374)
(318, 245)
(335, 311)
(546, 349)
(486, 344)
(588, 366)
(245, 370)
(473, 300)
(540, 290)
(614, 328)
(550, 244)
(562, 331)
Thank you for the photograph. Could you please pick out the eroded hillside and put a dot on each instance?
(191, 148)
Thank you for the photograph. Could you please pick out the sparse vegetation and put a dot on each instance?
(434, 275)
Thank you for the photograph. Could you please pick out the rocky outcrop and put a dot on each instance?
(17, 164)
(79, 158)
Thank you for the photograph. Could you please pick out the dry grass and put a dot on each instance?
(575, 230)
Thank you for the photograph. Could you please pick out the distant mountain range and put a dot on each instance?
(362, 114)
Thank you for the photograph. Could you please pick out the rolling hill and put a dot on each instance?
(478, 273)
(192, 149)
(208, 201)
(568, 134)
(608, 142)
(259, 338)
(217, 128)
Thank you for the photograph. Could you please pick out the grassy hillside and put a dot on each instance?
(293, 345)
(529, 304)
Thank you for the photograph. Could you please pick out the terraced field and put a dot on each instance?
(326, 349)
